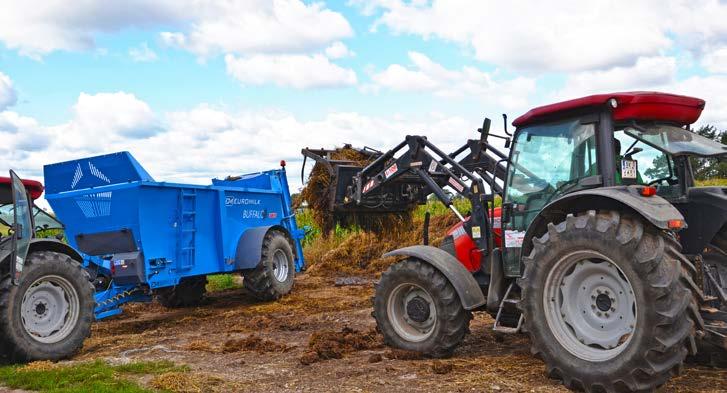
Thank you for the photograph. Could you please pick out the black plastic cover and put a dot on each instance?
(105, 243)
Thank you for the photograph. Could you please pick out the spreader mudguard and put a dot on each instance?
(461, 279)
(249, 247)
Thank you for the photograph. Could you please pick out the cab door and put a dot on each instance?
(546, 161)
(22, 226)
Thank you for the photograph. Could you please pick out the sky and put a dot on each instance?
(201, 89)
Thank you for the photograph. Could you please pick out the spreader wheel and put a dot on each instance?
(48, 314)
(417, 309)
(275, 274)
(607, 303)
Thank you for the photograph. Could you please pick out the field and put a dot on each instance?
(320, 338)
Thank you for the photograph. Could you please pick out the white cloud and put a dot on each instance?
(426, 75)
(297, 71)
(143, 54)
(716, 60)
(712, 90)
(567, 35)
(203, 27)
(338, 50)
(173, 39)
(260, 26)
(647, 73)
(103, 118)
(656, 74)
(195, 145)
(8, 96)
(38, 28)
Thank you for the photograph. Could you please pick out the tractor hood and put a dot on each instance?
(677, 141)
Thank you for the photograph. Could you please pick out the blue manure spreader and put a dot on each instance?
(144, 238)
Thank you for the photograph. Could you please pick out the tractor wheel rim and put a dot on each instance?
(280, 265)
(411, 312)
(50, 309)
(590, 306)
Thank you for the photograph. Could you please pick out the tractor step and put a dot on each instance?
(509, 319)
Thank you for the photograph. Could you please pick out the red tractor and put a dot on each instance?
(603, 251)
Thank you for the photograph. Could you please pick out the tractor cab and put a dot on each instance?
(636, 141)
(21, 218)
(41, 220)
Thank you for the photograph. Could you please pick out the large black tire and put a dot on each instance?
(666, 310)
(188, 293)
(46, 267)
(275, 274)
(444, 332)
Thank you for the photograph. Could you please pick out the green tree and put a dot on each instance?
(710, 168)
(659, 168)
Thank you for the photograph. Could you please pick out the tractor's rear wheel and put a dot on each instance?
(417, 309)
(48, 314)
(607, 303)
(188, 293)
(275, 274)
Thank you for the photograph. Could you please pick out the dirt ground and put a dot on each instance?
(321, 338)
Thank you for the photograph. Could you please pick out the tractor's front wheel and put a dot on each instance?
(417, 309)
(48, 314)
(606, 303)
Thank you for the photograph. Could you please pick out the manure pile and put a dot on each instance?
(360, 252)
(319, 193)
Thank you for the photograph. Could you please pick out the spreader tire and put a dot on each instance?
(275, 274)
(48, 315)
(188, 293)
(416, 308)
(608, 255)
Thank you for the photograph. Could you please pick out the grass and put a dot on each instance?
(221, 282)
(712, 182)
(97, 376)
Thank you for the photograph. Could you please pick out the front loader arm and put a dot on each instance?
(418, 160)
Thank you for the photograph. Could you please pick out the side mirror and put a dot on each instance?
(506, 213)
(507, 143)
(633, 151)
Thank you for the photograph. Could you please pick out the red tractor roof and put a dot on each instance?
(636, 105)
(35, 188)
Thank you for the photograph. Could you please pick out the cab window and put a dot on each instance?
(546, 162)
(653, 167)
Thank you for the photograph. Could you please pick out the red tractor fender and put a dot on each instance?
(464, 283)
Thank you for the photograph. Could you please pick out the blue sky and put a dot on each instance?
(203, 89)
